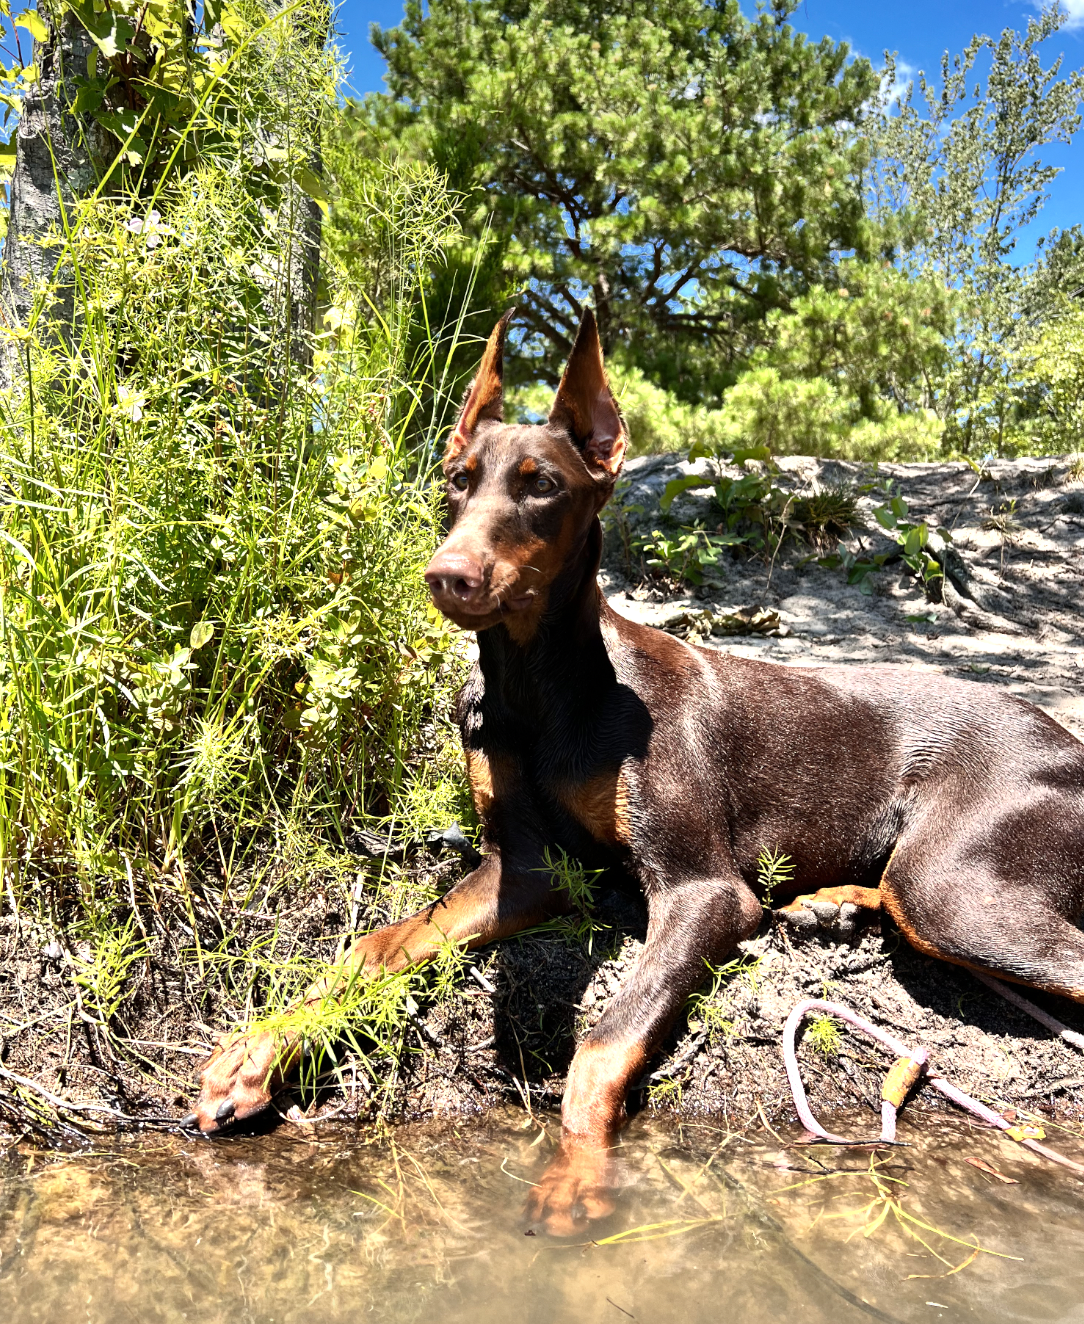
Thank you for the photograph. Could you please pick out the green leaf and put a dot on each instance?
(202, 633)
(884, 517)
(115, 40)
(33, 23)
(310, 183)
(750, 453)
(676, 486)
(119, 125)
(88, 98)
(233, 25)
(313, 186)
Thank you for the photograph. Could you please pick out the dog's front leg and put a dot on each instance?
(495, 901)
(688, 924)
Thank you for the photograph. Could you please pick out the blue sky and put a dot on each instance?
(916, 30)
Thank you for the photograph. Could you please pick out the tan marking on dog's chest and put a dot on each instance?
(601, 805)
(489, 778)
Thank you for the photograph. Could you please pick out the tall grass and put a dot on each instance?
(216, 650)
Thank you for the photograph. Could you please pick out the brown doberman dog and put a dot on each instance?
(956, 808)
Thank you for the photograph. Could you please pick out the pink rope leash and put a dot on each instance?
(910, 1065)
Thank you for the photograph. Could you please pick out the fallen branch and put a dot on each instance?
(55, 1101)
(1026, 1005)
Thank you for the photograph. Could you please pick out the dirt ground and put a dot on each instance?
(1011, 617)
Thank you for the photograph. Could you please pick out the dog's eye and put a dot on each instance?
(544, 486)
(460, 482)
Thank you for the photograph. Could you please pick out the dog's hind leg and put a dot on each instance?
(688, 925)
(998, 892)
(245, 1071)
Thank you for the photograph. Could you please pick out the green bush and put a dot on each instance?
(214, 626)
(846, 372)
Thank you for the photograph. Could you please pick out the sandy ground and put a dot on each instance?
(1030, 571)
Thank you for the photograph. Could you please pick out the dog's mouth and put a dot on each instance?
(486, 609)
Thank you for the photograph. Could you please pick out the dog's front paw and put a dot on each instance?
(576, 1189)
(238, 1080)
(811, 917)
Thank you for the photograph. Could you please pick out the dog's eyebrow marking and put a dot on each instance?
(528, 468)
(470, 463)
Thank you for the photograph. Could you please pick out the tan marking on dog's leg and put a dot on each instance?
(489, 778)
(599, 1079)
(480, 777)
(577, 1185)
(483, 907)
(865, 898)
(890, 903)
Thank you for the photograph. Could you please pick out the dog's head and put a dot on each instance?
(522, 498)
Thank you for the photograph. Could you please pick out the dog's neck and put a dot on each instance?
(562, 671)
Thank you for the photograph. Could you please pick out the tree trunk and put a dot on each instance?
(57, 157)
(304, 222)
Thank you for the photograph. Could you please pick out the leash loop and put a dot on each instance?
(905, 1073)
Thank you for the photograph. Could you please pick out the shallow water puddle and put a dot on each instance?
(429, 1226)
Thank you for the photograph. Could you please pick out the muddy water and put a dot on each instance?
(710, 1226)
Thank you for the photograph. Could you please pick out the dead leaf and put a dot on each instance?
(991, 1171)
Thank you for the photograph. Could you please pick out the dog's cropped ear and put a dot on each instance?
(485, 395)
(585, 404)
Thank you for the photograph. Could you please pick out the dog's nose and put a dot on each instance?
(455, 575)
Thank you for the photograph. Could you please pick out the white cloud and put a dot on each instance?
(905, 73)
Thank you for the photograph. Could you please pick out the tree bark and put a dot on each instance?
(305, 225)
(57, 157)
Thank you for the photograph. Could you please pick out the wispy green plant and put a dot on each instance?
(578, 884)
(666, 1094)
(711, 1005)
(445, 970)
(883, 1206)
(102, 973)
(824, 1035)
(775, 869)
